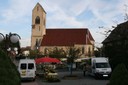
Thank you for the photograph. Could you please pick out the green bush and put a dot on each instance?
(119, 75)
(9, 74)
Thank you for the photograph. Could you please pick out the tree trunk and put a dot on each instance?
(71, 68)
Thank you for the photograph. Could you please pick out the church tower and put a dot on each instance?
(38, 26)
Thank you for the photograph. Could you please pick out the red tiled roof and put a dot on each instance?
(66, 37)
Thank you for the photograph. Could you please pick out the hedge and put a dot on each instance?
(119, 75)
(9, 74)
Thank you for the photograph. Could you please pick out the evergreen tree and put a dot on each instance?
(119, 75)
(9, 74)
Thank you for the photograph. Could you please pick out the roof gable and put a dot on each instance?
(66, 37)
(38, 4)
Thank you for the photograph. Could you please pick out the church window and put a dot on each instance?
(37, 20)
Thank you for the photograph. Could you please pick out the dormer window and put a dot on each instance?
(37, 20)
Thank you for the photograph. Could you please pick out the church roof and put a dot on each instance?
(66, 37)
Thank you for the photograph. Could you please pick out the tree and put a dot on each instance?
(105, 30)
(9, 74)
(35, 54)
(99, 52)
(119, 75)
(126, 14)
(57, 53)
(72, 54)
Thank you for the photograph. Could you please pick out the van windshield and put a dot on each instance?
(102, 65)
(23, 66)
(30, 66)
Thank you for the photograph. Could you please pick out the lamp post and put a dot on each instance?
(8, 40)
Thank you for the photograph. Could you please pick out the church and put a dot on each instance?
(44, 39)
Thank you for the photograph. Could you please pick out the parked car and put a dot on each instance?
(27, 69)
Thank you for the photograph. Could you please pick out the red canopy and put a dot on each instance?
(47, 60)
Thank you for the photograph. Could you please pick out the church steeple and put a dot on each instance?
(38, 25)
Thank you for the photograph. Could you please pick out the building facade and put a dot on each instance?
(44, 39)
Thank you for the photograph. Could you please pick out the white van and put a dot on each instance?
(27, 69)
(100, 67)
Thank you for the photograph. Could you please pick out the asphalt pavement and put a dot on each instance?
(79, 80)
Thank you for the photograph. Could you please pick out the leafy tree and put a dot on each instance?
(35, 54)
(73, 53)
(57, 53)
(98, 52)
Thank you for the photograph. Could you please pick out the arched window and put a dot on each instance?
(37, 20)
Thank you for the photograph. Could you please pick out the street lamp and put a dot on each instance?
(8, 40)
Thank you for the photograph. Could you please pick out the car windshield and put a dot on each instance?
(102, 65)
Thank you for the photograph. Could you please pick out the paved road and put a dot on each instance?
(87, 80)
(29, 83)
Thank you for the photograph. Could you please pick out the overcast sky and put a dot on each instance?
(16, 16)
